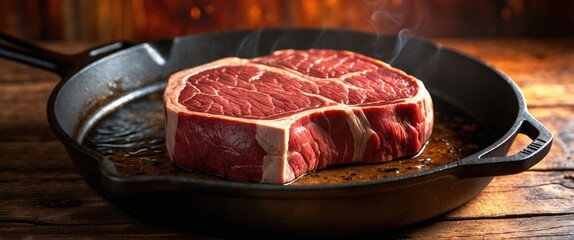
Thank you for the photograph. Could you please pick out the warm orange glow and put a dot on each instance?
(255, 15)
(195, 13)
(209, 9)
(105, 20)
(309, 12)
(331, 3)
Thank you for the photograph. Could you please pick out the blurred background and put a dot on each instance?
(143, 20)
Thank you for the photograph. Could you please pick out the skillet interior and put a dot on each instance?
(79, 102)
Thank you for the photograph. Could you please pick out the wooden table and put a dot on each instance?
(42, 194)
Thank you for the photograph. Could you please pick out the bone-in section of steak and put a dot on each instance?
(274, 118)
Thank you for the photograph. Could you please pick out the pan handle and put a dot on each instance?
(22, 51)
(486, 165)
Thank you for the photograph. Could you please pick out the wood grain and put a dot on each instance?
(528, 194)
(542, 68)
(43, 196)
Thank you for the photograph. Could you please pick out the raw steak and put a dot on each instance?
(274, 118)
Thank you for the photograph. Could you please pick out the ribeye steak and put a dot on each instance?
(274, 118)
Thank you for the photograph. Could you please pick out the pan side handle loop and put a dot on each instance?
(486, 165)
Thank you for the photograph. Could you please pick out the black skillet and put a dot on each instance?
(100, 81)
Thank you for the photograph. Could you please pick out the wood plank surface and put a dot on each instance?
(43, 196)
(542, 68)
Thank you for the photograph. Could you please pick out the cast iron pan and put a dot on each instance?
(89, 91)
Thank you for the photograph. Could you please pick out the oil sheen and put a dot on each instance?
(133, 138)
